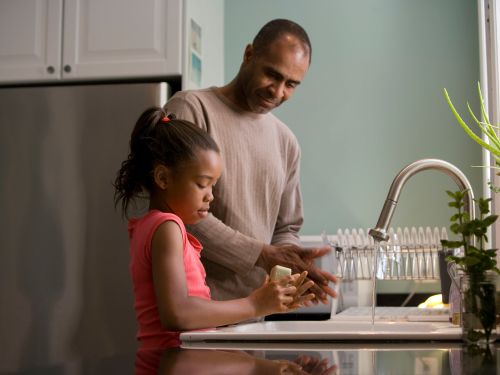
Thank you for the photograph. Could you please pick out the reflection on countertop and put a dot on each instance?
(241, 362)
(325, 358)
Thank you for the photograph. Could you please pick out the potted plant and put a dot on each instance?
(477, 264)
(478, 268)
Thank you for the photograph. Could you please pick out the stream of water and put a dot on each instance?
(376, 248)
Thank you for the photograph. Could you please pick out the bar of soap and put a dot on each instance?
(277, 272)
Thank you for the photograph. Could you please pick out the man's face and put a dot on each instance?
(270, 77)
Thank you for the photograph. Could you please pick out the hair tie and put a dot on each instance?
(165, 119)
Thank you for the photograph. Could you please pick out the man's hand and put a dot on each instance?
(301, 259)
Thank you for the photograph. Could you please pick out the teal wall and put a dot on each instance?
(372, 102)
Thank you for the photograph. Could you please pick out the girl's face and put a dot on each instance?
(188, 190)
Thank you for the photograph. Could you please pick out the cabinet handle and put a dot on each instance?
(67, 68)
(50, 69)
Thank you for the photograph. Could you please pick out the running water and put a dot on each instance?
(376, 248)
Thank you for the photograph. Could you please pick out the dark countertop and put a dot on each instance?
(339, 358)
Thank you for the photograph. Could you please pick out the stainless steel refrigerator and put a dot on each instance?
(65, 292)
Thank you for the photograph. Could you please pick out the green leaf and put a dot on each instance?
(467, 129)
(491, 253)
(490, 220)
(455, 228)
(471, 134)
(481, 102)
(453, 259)
(486, 128)
(451, 244)
(470, 261)
(451, 194)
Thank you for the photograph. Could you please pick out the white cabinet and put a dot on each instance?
(122, 38)
(30, 40)
(52, 40)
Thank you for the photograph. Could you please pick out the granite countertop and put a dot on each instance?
(340, 358)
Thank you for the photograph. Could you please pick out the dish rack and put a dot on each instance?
(409, 254)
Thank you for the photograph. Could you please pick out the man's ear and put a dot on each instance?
(161, 176)
(247, 55)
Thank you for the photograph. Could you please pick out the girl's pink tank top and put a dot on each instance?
(141, 231)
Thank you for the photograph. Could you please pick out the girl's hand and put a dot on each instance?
(302, 284)
(301, 259)
(316, 366)
(277, 367)
(283, 295)
(273, 296)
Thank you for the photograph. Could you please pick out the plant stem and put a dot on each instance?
(465, 239)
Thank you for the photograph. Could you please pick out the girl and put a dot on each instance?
(177, 164)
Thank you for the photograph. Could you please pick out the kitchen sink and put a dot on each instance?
(329, 330)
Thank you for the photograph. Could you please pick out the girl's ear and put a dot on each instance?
(161, 176)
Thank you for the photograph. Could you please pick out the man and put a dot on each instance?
(257, 211)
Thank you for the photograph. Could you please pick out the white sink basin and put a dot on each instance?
(331, 326)
(327, 330)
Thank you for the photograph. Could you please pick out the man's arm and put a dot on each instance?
(285, 248)
(226, 246)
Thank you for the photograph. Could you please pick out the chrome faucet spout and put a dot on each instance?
(380, 231)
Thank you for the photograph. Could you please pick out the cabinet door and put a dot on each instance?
(122, 39)
(30, 40)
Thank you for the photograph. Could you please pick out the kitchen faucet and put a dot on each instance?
(379, 233)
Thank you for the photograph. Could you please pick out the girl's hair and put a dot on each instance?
(157, 139)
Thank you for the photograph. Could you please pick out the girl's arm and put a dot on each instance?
(178, 311)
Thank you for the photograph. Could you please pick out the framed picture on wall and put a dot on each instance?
(195, 53)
